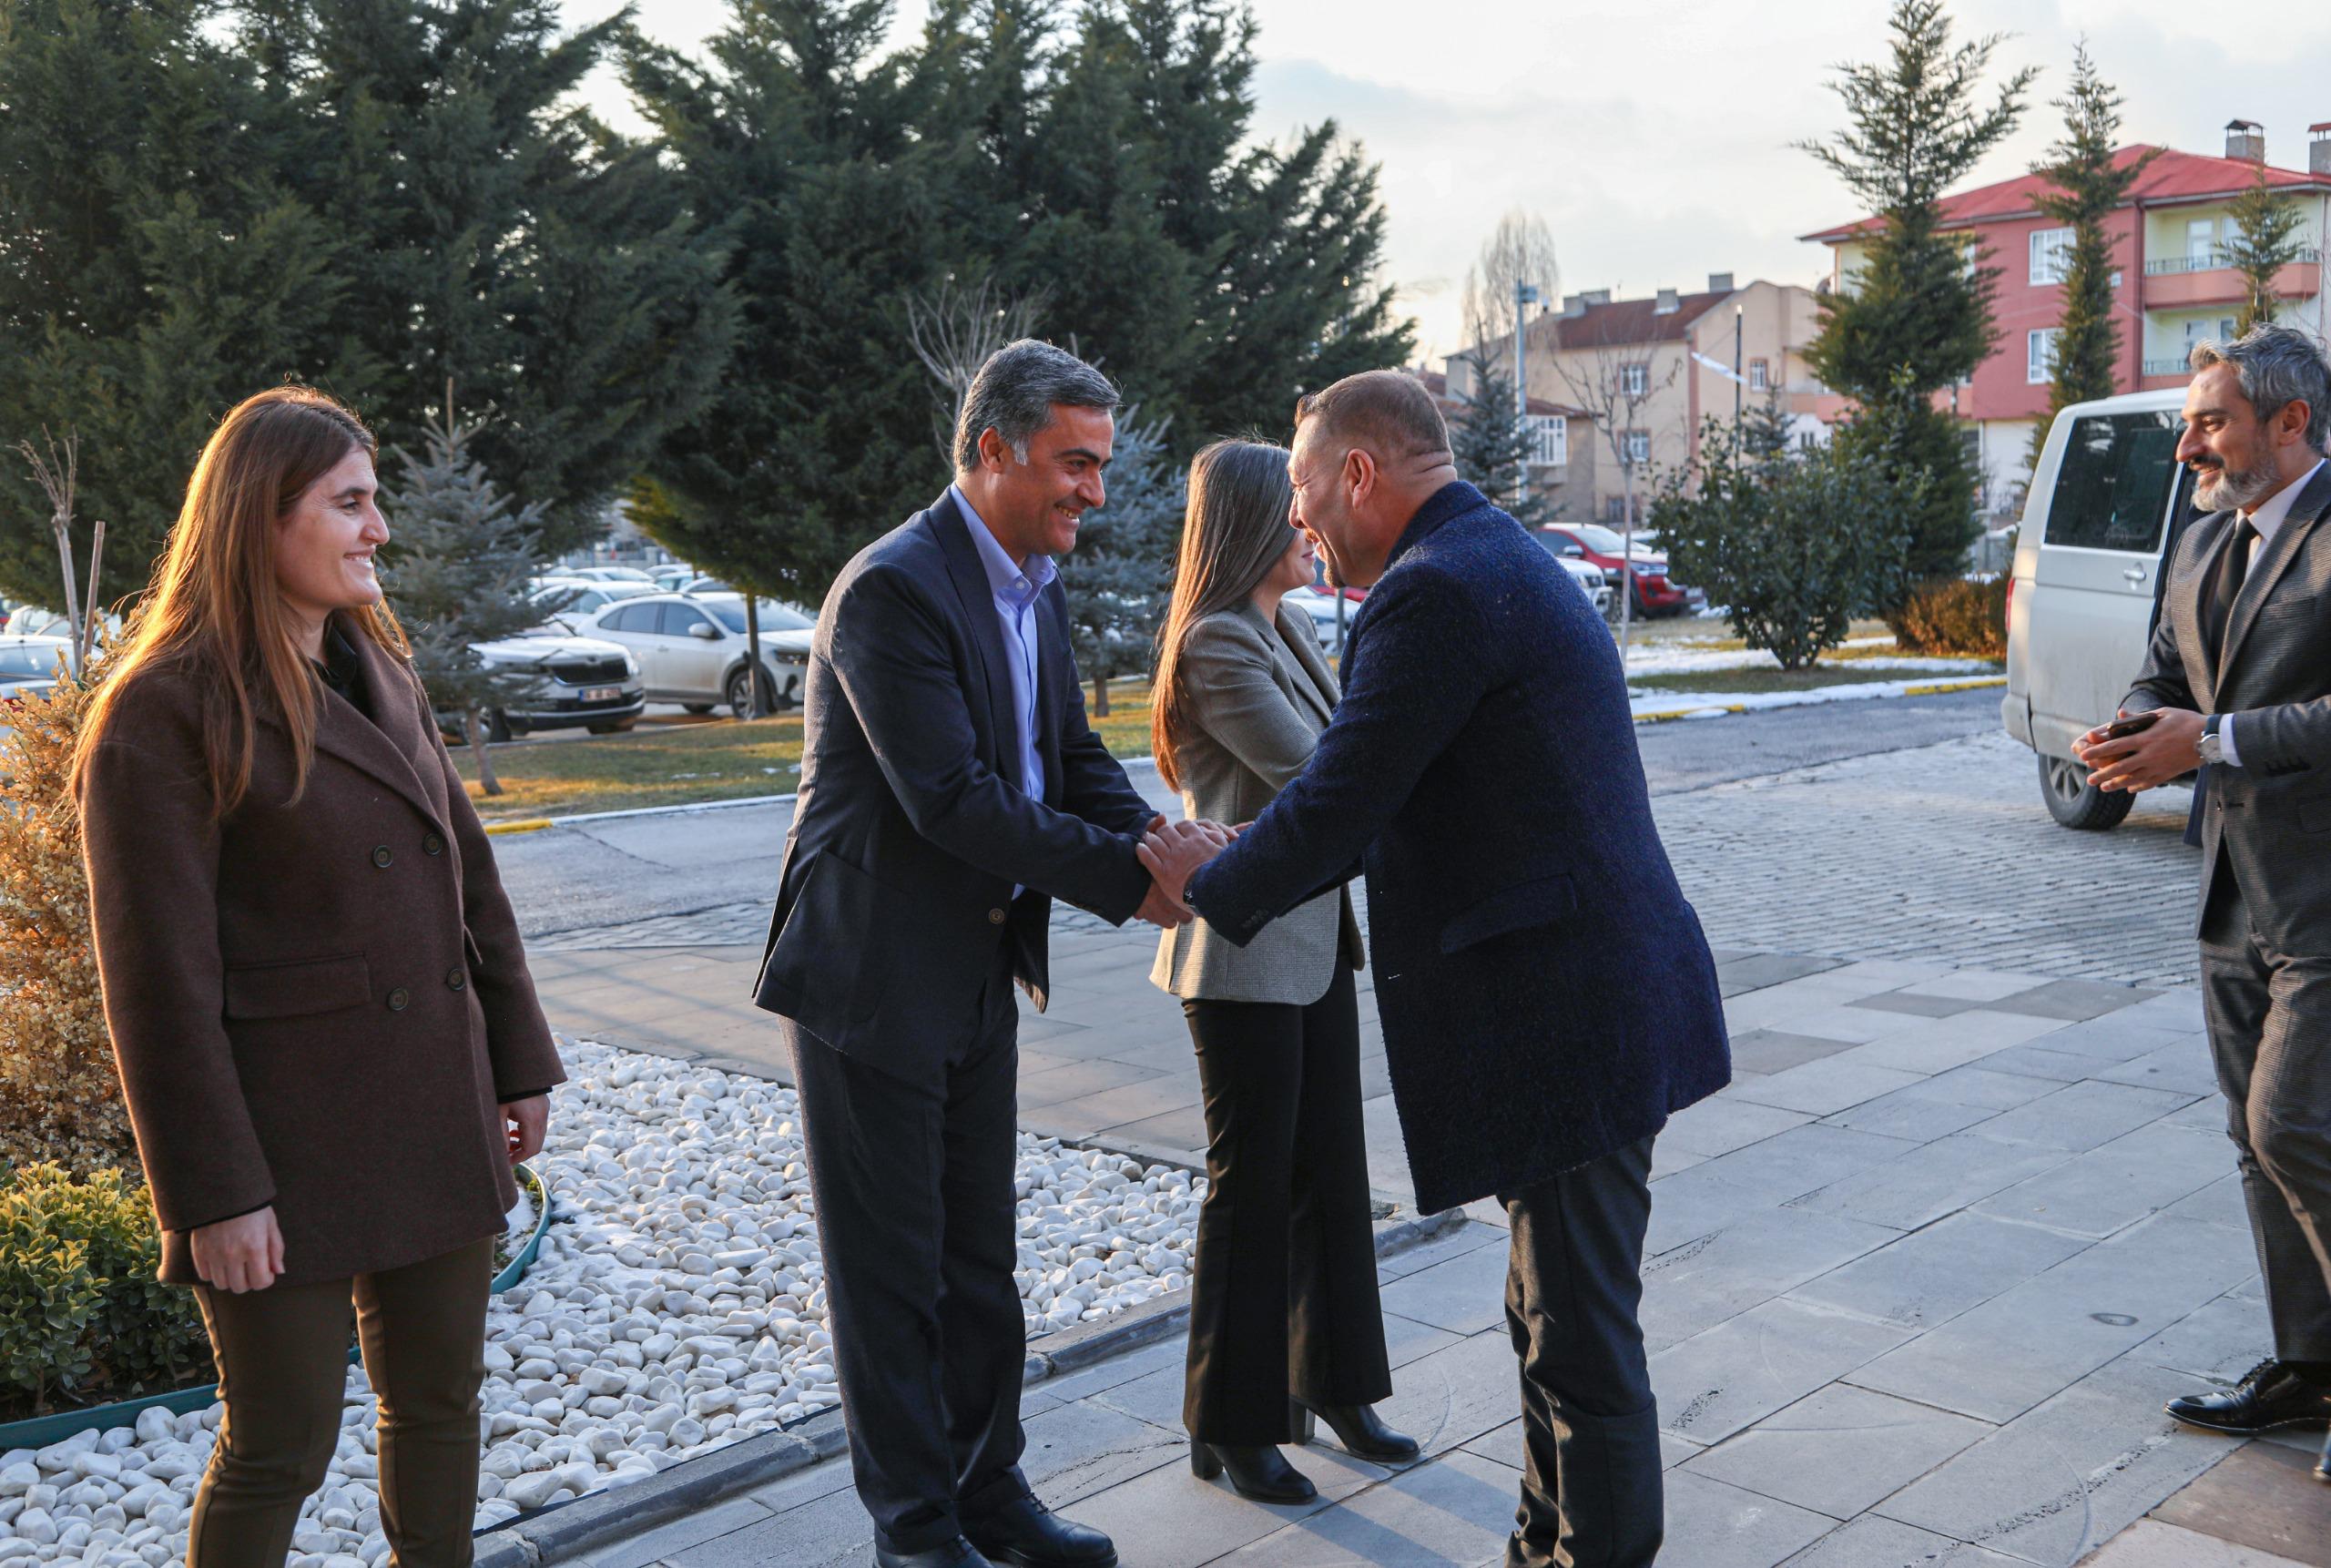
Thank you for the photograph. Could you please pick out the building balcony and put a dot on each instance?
(2165, 367)
(2175, 281)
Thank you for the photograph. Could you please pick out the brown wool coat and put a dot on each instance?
(318, 1005)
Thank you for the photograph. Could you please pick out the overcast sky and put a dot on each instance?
(1656, 138)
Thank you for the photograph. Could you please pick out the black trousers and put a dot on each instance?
(2269, 1017)
(1283, 1295)
(915, 1218)
(1592, 1492)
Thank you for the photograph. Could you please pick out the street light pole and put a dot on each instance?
(1524, 295)
(1737, 382)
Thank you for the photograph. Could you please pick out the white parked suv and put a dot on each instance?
(692, 648)
(2108, 502)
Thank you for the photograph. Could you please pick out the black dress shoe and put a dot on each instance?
(2270, 1396)
(1258, 1474)
(1363, 1434)
(1026, 1535)
(956, 1553)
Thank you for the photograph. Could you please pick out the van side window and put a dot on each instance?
(2112, 491)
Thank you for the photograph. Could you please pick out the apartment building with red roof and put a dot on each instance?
(2173, 287)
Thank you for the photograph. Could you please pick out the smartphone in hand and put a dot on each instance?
(2135, 723)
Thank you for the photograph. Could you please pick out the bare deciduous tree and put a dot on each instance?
(56, 468)
(954, 330)
(1521, 250)
(1613, 382)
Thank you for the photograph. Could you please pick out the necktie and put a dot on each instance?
(2228, 587)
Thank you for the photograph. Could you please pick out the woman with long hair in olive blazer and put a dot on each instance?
(1285, 1323)
(328, 1045)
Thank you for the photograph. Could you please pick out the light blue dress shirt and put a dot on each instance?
(1016, 590)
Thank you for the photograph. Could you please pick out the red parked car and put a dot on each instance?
(1654, 594)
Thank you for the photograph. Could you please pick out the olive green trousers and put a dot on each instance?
(283, 1357)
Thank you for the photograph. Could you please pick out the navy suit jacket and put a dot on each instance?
(1547, 995)
(911, 828)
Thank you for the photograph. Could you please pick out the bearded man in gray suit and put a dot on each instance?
(2239, 677)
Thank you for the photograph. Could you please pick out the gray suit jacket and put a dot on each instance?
(2270, 818)
(1259, 696)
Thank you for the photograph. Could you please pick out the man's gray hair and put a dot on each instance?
(2276, 366)
(1015, 393)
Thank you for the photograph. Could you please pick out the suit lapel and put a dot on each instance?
(388, 748)
(1291, 662)
(948, 522)
(1053, 664)
(1318, 685)
(2268, 565)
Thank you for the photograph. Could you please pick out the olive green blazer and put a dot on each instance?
(1259, 696)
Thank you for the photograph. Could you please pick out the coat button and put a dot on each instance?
(455, 980)
(995, 917)
(398, 999)
(433, 845)
(380, 857)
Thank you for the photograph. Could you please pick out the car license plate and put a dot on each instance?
(602, 693)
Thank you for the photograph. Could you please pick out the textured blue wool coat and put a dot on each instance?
(1546, 992)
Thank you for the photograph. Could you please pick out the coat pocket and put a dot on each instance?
(826, 967)
(1540, 901)
(297, 987)
(2315, 815)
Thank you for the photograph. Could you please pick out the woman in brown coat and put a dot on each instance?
(329, 1044)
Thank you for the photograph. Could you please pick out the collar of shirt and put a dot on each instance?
(2277, 506)
(1015, 584)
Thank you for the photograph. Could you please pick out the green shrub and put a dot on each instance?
(82, 1315)
(1792, 543)
(1954, 616)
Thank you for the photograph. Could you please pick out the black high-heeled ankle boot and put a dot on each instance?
(1258, 1475)
(1358, 1427)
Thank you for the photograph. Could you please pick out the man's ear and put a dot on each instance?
(994, 452)
(1359, 472)
(2291, 421)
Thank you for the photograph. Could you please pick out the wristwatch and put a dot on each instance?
(2213, 751)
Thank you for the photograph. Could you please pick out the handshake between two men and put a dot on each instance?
(1170, 851)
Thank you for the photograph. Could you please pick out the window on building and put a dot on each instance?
(1549, 436)
(2051, 254)
(1633, 380)
(1760, 378)
(2040, 355)
(1614, 510)
(1636, 444)
(2201, 238)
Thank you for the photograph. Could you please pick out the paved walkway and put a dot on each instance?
(1917, 1284)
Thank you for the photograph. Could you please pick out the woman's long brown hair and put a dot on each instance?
(213, 611)
(1234, 530)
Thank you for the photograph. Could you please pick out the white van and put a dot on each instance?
(2108, 499)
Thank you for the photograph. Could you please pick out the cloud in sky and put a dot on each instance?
(1656, 139)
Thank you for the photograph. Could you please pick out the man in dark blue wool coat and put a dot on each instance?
(1548, 997)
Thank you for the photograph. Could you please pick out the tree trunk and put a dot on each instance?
(61, 524)
(763, 702)
(1100, 697)
(476, 730)
(1626, 560)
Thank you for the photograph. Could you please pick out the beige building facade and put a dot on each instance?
(1638, 377)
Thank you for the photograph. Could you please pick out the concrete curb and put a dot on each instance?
(570, 1530)
(1905, 689)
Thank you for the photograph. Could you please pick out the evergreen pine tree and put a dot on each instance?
(143, 290)
(1918, 318)
(1120, 577)
(1492, 444)
(2089, 183)
(459, 563)
(505, 240)
(2265, 241)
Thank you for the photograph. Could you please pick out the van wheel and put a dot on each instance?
(2076, 803)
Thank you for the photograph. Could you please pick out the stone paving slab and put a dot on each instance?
(1941, 1226)
(2265, 1497)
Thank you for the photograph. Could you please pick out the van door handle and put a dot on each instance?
(2133, 575)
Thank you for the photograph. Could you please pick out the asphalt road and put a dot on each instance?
(610, 872)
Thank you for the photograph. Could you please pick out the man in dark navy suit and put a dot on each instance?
(950, 790)
(1547, 995)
